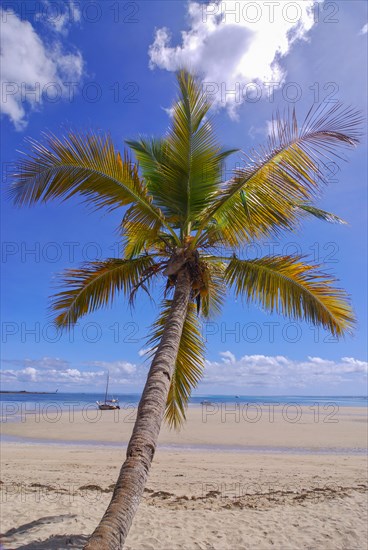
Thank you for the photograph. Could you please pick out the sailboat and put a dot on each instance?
(108, 404)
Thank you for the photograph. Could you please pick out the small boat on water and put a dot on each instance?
(108, 404)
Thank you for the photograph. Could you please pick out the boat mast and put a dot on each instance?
(107, 385)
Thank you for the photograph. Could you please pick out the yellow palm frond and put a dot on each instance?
(257, 200)
(210, 288)
(288, 286)
(84, 164)
(189, 364)
(139, 238)
(95, 285)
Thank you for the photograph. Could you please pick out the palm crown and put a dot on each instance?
(180, 212)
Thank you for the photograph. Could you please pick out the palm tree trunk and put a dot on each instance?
(115, 524)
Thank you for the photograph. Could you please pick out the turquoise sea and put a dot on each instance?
(28, 402)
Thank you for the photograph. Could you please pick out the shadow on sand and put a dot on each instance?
(56, 542)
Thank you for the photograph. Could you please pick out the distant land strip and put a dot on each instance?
(30, 392)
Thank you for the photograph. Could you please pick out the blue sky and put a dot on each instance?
(110, 66)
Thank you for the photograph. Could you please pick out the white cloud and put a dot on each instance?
(228, 357)
(31, 69)
(115, 367)
(232, 44)
(279, 371)
(53, 371)
(364, 29)
(66, 378)
(274, 373)
(31, 373)
(60, 16)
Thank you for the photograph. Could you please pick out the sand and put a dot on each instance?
(225, 483)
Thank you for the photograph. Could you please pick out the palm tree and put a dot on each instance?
(184, 226)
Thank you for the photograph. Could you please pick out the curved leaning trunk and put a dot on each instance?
(115, 524)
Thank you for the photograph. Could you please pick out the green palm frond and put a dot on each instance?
(320, 214)
(214, 235)
(84, 164)
(256, 201)
(195, 156)
(189, 364)
(183, 171)
(95, 285)
(288, 286)
(152, 155)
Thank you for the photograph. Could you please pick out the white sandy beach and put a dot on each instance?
(258, 485)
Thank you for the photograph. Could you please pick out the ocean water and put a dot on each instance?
(13, 404)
